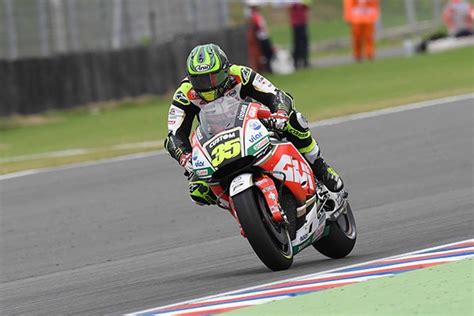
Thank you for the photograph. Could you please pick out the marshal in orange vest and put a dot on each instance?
(362, 15)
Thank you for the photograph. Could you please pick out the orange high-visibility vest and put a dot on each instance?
(361, 11)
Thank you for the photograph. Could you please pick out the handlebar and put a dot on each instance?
(263, 113)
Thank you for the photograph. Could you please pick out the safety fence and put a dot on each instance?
(30, 28)
(34, 85)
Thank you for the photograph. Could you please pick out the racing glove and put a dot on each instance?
(185, 162)
(277, 121)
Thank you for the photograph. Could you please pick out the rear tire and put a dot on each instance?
(341, 238)
(250, 207)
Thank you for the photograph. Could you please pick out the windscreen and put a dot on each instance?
(218, 116)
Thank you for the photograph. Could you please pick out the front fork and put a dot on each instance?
(270, 192)
(266, 185)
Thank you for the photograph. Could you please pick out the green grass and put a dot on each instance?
(129, 122)
(387, 43)
(440, 290)
(319, 93)
(346, 89)
(326, 21)
(318, 31)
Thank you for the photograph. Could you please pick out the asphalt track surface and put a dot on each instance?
(123, 236)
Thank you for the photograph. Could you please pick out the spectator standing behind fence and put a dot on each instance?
(299, 14)
(458, 17)
(258, 28)
(362, 16)
(254, 51)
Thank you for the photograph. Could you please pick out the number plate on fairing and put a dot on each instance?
(224, 147)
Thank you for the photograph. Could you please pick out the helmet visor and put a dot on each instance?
(208, 82)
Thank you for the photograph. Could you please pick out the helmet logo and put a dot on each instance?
(200, 57)
(201, 68)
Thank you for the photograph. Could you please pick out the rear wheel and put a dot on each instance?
(270, 241)
(341, 237)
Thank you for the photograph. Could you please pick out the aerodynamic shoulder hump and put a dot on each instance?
(242, 72)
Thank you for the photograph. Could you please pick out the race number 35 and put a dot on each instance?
(225, 151)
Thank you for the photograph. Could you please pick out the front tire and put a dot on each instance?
(341, 238)
(264, 235)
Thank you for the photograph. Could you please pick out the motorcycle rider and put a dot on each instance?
(211, 76)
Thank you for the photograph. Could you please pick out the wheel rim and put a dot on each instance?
(346, 223)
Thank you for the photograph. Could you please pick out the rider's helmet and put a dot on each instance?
(208, 70)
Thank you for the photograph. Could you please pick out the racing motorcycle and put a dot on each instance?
(268, 186)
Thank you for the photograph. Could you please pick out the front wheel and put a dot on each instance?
(341, 238)
(270, 241)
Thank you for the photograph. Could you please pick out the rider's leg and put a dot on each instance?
(200, 192)
(298, 133)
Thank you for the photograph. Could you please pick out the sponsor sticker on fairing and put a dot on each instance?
(198, 164)
(222, 138)
(260, 144)
(243, 109)
(255, 137)
(302, 238)
(295, 171)
(202, 172)
(253, 112)
(255, 125)
(199, 134)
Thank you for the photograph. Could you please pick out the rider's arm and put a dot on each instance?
(180, 120)
(262, 90)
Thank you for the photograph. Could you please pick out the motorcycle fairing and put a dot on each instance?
(201, 165)
(315, 222)
(288, 165)
(248, 137)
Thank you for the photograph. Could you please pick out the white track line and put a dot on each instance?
(300, 278)
(392, 110)
(80, 165)
(334, 121)
(82, 151)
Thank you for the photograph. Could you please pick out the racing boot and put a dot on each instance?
(324, 173)
(298, 133)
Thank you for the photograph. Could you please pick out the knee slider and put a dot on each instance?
(302, 121)
(298, 126)
(201, 193)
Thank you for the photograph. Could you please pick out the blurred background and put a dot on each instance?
(110, 66)
(47, 27)
(31, 28)
(98, 50)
